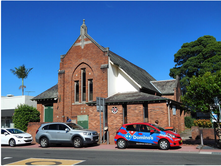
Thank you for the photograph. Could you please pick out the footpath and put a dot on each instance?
(185, 148)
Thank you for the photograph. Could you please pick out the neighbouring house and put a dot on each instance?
(89, 70)
(8, 105)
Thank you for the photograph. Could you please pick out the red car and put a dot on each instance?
(146, 134)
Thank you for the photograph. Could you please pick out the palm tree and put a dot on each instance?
(22, 73)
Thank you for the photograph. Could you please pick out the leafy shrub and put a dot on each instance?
(24, 114)
(205, 123)
(188, 121)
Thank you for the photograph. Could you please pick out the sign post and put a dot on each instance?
(100, 102)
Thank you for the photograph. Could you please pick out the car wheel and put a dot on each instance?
(44, 142)
(121, 144)
(12, 142)
(164, 144)
(77, 142)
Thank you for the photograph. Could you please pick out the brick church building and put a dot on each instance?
(89, 70)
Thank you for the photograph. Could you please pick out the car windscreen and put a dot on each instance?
(15, 131)
(160, 128)
(75, 126)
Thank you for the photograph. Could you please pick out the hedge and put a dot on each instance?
(25, 114)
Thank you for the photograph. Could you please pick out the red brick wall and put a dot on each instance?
(115, 121)
(172, 97)
(94, 119)
(91, 58)
(158, 111)
(135, 113)
(32, 128)
(40, 108)
(208, 133)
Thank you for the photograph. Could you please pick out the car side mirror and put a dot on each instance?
(67, 130)
(5, 133)
(151, 131)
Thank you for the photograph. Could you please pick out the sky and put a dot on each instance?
(146, 33)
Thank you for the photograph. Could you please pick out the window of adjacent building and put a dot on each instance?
(90, 90)
(174, 110)
(83, 85)
(76, 91)
(145, 109)
(124, 114)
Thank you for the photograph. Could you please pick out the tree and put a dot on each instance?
(196, 58)
(201, 93)
(202, 90)
(25, 114)
(22, 73)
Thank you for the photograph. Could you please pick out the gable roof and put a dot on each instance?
(165, 87)
(48, 94)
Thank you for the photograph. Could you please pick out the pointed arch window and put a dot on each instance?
(76, 84)
(90, 90)
(83, 85)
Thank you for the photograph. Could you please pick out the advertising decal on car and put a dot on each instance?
(146, 134)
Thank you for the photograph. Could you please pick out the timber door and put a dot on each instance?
(82, 120)
(48, 113)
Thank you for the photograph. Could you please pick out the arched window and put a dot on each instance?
(90, 90)
(76, 90)
(83, 85)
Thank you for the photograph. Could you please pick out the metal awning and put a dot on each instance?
(5, 113)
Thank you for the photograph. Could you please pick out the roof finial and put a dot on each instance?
(83, 30)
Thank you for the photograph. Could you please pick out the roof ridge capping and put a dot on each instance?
(164, 80)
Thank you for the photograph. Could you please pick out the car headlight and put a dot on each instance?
(86, 133)
(18, 136)
(171, 135)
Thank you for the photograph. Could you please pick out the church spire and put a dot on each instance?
(83, 30)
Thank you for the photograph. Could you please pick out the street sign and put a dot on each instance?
(100, 102)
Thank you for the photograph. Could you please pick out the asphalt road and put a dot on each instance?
(104, 157)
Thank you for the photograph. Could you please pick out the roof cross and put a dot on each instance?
(83, 31)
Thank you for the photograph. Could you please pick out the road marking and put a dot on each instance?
(42, 161)
(6, 158)
(205, 152)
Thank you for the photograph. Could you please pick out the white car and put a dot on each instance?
(13, 136)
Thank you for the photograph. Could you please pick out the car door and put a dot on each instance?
(4, 137)
(147, 135)
(62, 134)
(52, 132)
(132, 134)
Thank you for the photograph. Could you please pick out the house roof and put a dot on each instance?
(48, 94)
(165, 87)
(133, 97)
